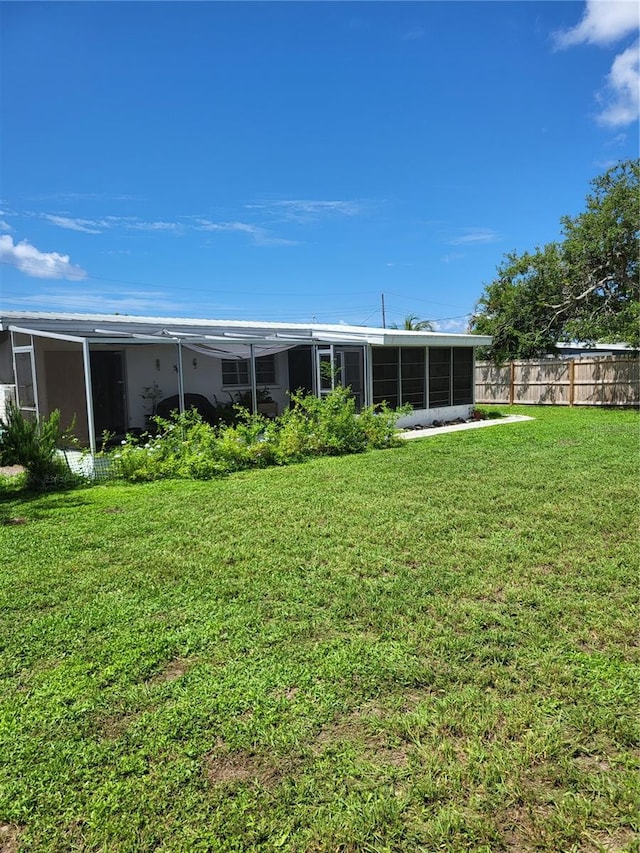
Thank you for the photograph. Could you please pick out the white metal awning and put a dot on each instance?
(124, 330)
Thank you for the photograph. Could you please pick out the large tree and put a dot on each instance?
(584, 287)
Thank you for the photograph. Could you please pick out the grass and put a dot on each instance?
(429, 648)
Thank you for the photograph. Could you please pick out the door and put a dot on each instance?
(107, 380)
(329, 369)
(301, 369)
(352, 373)
(64, 372)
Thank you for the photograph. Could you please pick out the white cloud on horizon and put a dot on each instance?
(33, 262)
(460, 324)
(149, 303)
(122, 303)
(603, 23)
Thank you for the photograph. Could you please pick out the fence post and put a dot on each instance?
(572, 380)
(512, 380)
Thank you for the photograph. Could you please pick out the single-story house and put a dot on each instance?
(110, 372)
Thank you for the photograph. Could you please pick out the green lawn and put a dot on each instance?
(421, 649)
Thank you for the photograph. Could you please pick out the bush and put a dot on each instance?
(35, 444)
(185, 446)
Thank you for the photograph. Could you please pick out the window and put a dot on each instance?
(439, 377)
(237, 372)
(266, 370)
(450, 376)
(385, 362)
(24, 380)
(412, 376)
(399, 376)
(463, 376)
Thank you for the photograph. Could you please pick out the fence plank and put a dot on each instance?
(590, 381)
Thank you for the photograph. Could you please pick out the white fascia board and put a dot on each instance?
(434, 339)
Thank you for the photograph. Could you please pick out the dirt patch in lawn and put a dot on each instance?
(360, 728)
(174, 669)
(223, 767)
(621, 841)
(9, 837)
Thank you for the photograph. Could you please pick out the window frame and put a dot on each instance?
(241, 366)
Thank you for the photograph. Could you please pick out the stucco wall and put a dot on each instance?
(7, 395)
(428, 416)
(149, 364)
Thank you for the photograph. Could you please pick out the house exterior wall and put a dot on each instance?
(7, 395)
(202, 374)
(6, 359)
(148, 361)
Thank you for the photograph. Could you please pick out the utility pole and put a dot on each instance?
(384, 317)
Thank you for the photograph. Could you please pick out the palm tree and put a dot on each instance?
(412, 323)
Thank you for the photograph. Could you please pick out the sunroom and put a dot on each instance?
(112, 373)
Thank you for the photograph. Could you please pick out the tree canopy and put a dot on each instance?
(582, 288)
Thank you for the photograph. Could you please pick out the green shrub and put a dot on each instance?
(185, 446)
(331, 425)
(35, 444)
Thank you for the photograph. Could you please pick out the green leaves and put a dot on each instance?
(34, 444)
(187, 447)
(584, 287)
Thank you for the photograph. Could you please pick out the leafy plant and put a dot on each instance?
(184, 445)
(151, 394)
(35, 445)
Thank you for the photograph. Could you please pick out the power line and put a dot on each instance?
(85, 277)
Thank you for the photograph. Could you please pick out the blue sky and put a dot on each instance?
(295, 160)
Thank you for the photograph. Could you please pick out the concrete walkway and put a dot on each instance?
(428, 431)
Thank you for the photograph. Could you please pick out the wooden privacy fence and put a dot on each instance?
(585, 381)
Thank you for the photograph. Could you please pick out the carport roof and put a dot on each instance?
(118, 328)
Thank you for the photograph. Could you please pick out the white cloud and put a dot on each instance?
(306, 210)
(4, 226)
(460, 324)
(155, 226)
(415, 34)
(261, 236)
(603, 22)
(88, 226)
(141, 302)
(33, 262)
(623, 89)
(475, 235)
